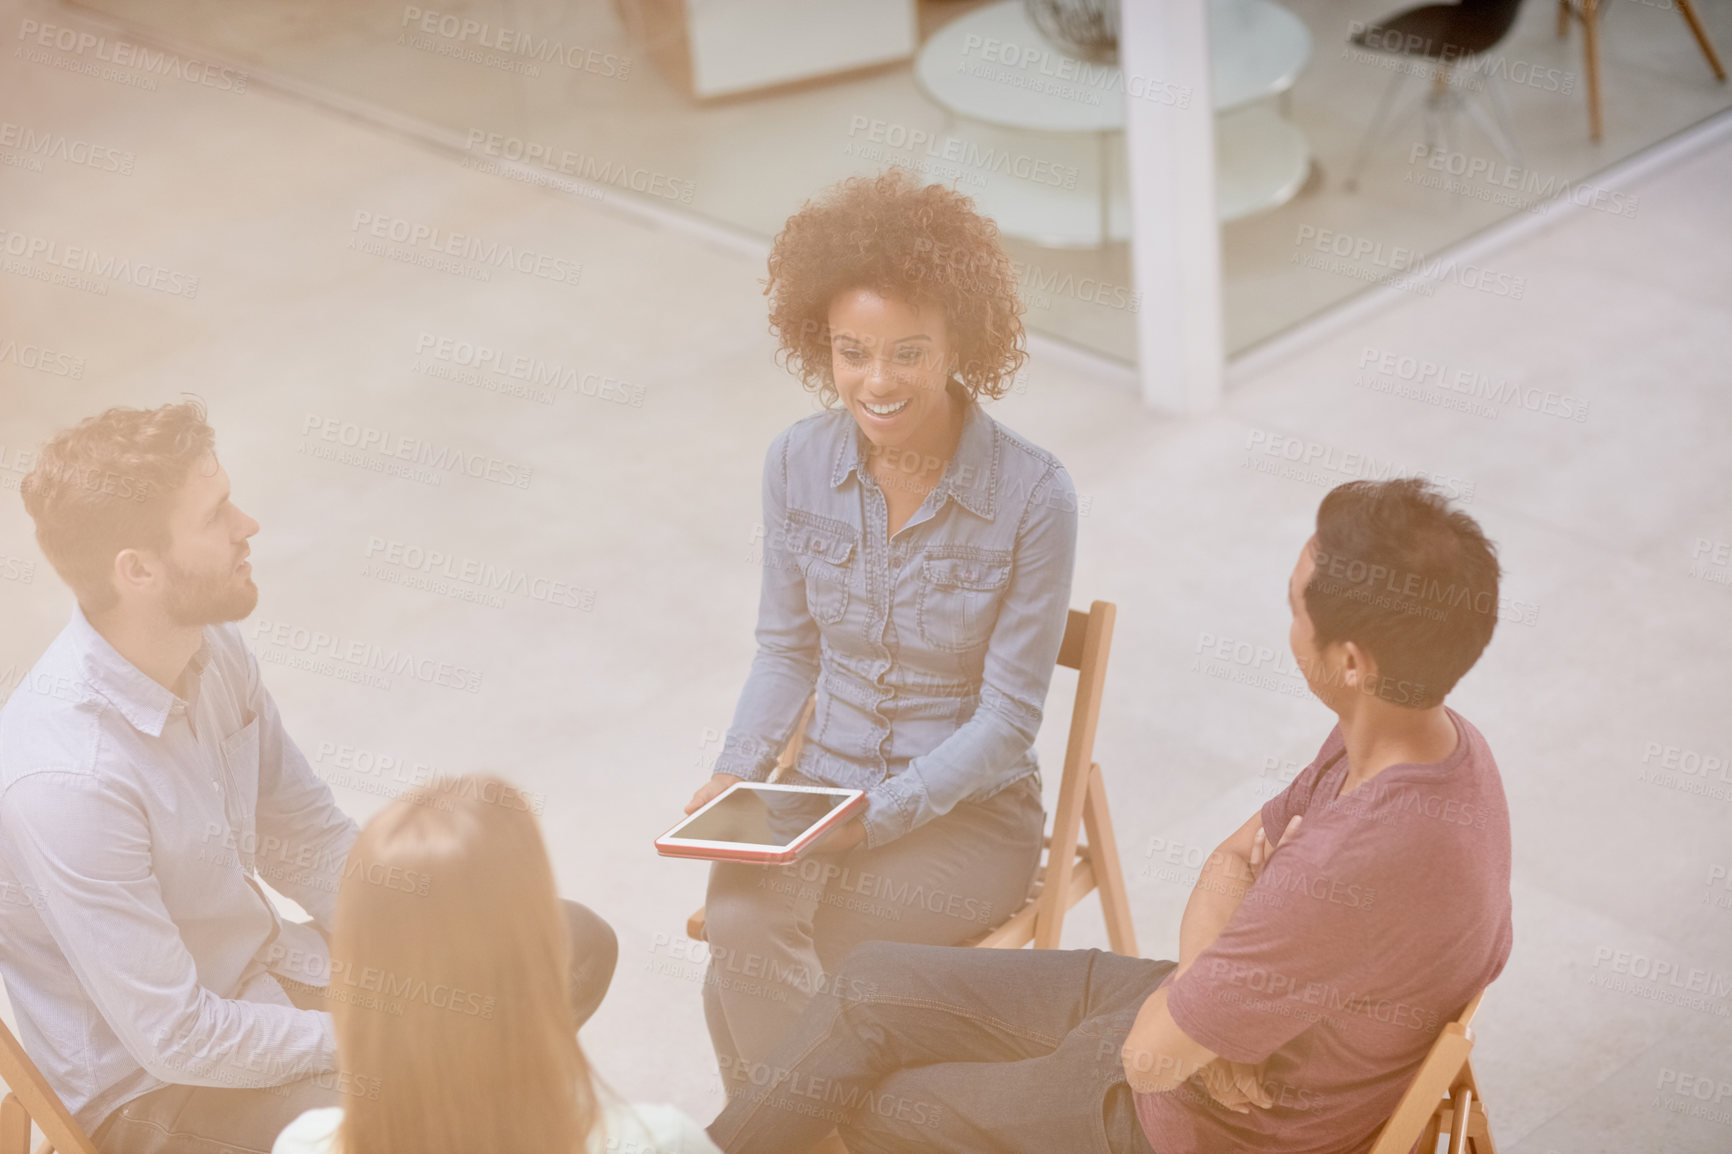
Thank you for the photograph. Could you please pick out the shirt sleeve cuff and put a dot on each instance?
(890, 809)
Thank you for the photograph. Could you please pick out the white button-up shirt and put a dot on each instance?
(137, 945)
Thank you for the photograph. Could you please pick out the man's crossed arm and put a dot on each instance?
(1158, 1056)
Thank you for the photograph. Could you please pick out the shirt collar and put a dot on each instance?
(970, 477)
(137, 697)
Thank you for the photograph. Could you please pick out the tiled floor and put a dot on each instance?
(1621, 670)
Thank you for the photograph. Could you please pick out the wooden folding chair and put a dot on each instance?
(1073, 869)
(1443, 1099)
(30, 1099)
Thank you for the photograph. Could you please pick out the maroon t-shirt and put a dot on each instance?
(1368, 930)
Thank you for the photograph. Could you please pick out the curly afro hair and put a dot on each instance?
(924, 244)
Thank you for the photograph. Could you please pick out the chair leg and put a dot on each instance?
(1479, 1130)
(14, 1126)
(1493, 125)
(1373, 133)
(1563, 18)
(1462, 1100)
(1500, 110)
(1591, 63)
(1109, 870)
(1439, 110)
(1702, 39)
(1428, 1136)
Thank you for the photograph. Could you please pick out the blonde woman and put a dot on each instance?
(455, 1030)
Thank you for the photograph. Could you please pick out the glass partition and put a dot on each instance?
(1353, 145)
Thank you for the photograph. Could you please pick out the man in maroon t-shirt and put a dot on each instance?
(1324, 946)
(1386, 910)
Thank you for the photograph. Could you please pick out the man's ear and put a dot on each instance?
(1358, 670)
(134, 570)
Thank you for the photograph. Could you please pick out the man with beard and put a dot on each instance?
(146, 786)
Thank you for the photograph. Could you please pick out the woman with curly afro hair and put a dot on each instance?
(916, 584)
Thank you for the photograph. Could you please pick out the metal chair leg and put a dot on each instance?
(1497, 125)
(1439, 109)
(1373, 133)
(1500, 109)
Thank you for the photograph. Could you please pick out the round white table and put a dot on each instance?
(1020, 96)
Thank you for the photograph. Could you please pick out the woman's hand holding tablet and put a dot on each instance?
(761, 822)
(711, 789)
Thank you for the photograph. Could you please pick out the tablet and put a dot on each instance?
(761, 822)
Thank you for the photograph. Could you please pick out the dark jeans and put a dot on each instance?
(181, 1119)
(941, 1049)
(775, 931)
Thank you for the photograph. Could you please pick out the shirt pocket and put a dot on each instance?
(959, 600)
(824, 550)
(240, 757)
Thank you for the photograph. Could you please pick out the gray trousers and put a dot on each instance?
(775, 932)
(956, 1052)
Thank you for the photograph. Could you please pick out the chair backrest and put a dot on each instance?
(40, 1101)
(1088, 639)
(1487, 22)
(1437, 1074)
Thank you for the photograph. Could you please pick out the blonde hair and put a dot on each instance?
(450, 968)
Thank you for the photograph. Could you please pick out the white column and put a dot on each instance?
(1176, 239)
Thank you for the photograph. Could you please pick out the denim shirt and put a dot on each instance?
(929, 650)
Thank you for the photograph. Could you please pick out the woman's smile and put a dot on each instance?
(884, 410)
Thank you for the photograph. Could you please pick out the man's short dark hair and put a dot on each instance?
(1411, 580)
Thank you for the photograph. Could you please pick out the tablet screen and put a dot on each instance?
(767, 817)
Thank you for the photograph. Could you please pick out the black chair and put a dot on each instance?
(1442, 31)
(1440, 38)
